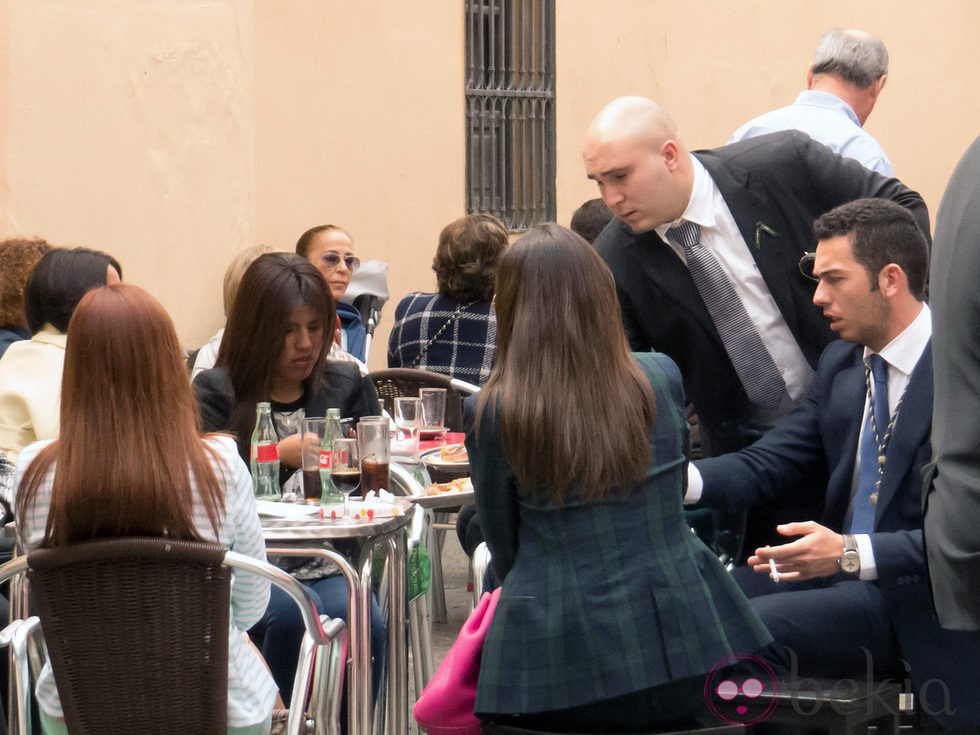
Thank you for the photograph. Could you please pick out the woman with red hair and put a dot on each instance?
(125, 385)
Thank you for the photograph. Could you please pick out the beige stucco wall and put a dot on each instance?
(715, 64)
(173, 133)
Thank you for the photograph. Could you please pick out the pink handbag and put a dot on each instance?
(446, 704)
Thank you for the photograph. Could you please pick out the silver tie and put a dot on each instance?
(752, 362)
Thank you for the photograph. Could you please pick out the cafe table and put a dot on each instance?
(306, 532)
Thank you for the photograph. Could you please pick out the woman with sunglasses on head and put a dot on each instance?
(275, 348)
(611, 612)
(331, 250)
(121, 348)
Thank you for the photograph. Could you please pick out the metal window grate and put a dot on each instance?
(510, 110)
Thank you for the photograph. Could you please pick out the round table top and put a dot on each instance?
(296, 526)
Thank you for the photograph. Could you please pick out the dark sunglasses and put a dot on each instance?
(332, 260)
(806, 266)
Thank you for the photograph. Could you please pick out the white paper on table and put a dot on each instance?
(287, 511)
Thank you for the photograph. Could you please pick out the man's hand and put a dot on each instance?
(813, 555)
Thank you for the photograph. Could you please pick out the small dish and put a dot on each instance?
(433, 458)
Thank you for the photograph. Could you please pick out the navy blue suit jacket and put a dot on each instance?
(818, 440)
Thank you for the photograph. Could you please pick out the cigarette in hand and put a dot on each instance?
(773, 572)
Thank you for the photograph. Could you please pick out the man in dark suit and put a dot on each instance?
(849, 596)
(953, 478)
(755, 203)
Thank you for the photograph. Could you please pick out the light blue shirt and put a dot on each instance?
(827, 119)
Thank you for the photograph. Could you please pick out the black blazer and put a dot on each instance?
(775, 186)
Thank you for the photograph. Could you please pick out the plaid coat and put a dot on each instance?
(463, 350)
(605, 599)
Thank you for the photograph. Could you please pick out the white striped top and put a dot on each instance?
(251, 690)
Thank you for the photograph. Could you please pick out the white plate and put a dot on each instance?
(433, 458)
(444, 500)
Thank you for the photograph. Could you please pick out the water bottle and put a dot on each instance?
(331, 495)
(264, 455)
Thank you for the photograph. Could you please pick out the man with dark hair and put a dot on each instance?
(843, 82)
(704, 250)
(589, 219)
(848, 596)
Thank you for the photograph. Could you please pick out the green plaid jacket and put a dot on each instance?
(604, 599)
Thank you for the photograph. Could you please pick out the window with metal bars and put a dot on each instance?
(510, 110)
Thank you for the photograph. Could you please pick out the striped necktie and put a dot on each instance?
(752, 362)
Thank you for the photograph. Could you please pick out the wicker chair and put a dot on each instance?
(137, 633)
(395, 382)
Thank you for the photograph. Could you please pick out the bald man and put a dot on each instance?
(847, 74)
(754, 203)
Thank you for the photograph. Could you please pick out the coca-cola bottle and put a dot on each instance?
(331, 430)
(264, 455)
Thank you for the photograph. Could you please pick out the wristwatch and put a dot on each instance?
(850, 559)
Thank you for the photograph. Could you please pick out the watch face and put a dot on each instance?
(850, 562)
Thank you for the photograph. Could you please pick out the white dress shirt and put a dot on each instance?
(721, 236)
(901, 354)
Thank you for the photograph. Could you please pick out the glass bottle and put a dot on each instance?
(331, 495)
(264, 455)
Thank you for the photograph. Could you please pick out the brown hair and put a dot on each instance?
(18, 256)
(271, 289)
(129, 440)
(303, 244)
(574, 407)
(466, 257)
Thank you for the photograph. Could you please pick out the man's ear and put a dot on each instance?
(670, 153)
(892, 279)
(878, 86)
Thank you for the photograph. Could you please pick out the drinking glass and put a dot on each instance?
(433, 413)
(313, 429)
(345, 470)
(374, 446)
(408, 417)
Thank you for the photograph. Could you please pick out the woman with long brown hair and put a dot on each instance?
(125, 385)
(611, 612)
(275, 348)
